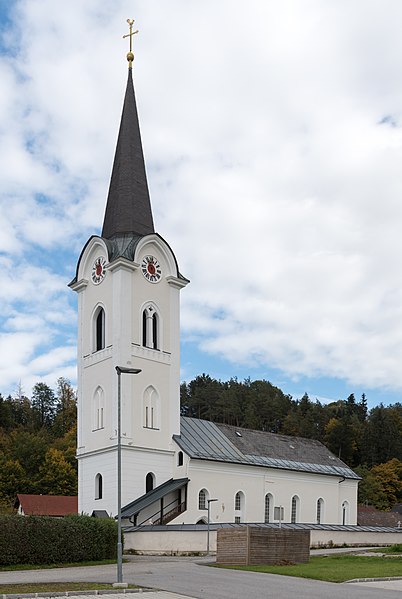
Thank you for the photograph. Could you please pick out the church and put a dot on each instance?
(174, 470)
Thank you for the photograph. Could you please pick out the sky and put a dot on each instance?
(272, 133)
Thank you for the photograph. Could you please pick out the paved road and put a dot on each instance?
(190, 577)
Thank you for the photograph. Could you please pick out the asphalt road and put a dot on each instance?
(191, 577)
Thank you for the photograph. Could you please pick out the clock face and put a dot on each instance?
(99, 270)
(151, 269)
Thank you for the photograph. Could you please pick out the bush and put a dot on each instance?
(44, 540)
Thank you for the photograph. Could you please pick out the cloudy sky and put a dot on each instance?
(272, 132)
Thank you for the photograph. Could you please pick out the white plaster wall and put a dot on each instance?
(136, 464)
(176, 541)
(169, 542)
(223, 481)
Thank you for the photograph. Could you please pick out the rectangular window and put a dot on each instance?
(237, 520)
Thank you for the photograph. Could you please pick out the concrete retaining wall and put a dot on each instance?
(175, 541)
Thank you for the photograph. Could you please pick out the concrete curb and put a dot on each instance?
(373, 579)
(73, 593)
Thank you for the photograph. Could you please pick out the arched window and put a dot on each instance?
(294, 514)
(98, 486)
(180, 458)
(149, 482)
(151, 405)
(345, 512)
(99, 329)
(268, 507)
(203, 497)
(98, 409)
(320, 506)
(239, 507)
(150, 328)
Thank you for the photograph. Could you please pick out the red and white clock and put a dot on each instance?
(151, 269)
(98, 270)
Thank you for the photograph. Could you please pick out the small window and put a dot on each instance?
(180, 458)
(239, 506)
(294, 509)
(155, 330)
(345, 512)
(144, 329)
(151, 407)
(150, 328)
(320, 504)
(268, 507)
(98, 409)
(237, 519)
(202, 499)
(149, 482)
(98, 486)
(100, 330)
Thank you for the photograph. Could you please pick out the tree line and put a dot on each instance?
(38, 434)
(38, 442)
(369, 441)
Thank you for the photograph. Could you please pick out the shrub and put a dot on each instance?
(44, 540)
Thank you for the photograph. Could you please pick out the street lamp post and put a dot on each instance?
(209, 501)
(120, 370)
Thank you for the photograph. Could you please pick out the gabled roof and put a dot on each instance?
(128, 208)
(47, 505)
(204, 440)
(134, 508)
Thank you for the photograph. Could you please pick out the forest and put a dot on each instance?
(38, 443)
(38, 434)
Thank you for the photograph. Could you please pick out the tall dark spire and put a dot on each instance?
(128, 208)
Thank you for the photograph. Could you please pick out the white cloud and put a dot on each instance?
(273, 140)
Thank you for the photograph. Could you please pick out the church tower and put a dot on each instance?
(128, 285)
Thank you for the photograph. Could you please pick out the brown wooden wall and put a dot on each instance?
(249, 545)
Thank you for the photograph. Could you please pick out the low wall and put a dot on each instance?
(250, 546)
(327, 538)
(169, 542)
(190, 539)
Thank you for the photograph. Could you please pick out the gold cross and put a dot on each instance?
(130, 55)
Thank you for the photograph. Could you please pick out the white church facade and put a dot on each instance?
(128, 285)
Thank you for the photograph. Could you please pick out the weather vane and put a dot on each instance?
(130, 55)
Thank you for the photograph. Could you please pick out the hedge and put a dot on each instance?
(44, 540)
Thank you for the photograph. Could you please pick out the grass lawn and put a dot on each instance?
(335, 568)
(54, 587)
(47, 566)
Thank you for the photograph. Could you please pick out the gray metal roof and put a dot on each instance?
(134, 508)
(205, 440)
(287, 525)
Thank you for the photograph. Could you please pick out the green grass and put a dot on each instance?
(391, 549)
(335, 568)
(54, 587)
(104, 562)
